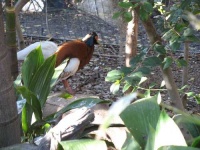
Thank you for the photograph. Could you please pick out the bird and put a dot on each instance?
(79, 53)
(48, 49)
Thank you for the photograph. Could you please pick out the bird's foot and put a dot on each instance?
(70, 91)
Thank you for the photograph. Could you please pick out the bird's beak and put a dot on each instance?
(96, 40)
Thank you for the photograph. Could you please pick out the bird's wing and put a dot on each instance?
(70, 69)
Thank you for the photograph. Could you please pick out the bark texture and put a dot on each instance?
(172, 89)
(131, 39)
(18, 6)
(11, 40)
(9, 119)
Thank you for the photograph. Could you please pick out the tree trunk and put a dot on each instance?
(185, 72)
(11, 40)
(185, 69)
(167, 73)
(9, 119)
(18, 7)
(131, 39)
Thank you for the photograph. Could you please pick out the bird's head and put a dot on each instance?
(91, 39)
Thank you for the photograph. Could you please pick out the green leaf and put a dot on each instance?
(190, 94)
(147, 93)
(169, 34)
(180, 27)
(40, 83)
(152, 61)
(147, 7)
(114, 88)
(139, 115)
(133, 80)
(130, 143)
(138, 58)
(151, 139)
(26, 118)
(66, 95)
(84, 144)
(116, 15)
(187, 123)
(32, 100)
(144, 70)
(115, 109)
(128, 16)
(32, 62)
(164, 128)
(188, 32)
(58, 71)
(136, 74)
(177, 148)
(196, 142)
(143, 14)
(125, 4)
(197, 98)
(126, 87)
(159, 48)
(32, 105)
(84, 102)
(113, 75)
(175, 45)
(181, 62)
(185, 3)
(167, 62)
(126, 70)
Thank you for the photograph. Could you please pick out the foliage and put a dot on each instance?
(150, 127)
(173, 25)
(37, 79)
(84, 144)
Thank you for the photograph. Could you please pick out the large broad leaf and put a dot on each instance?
(187, 123)
(58, 71)
(115, 110)
(40, 83)
(26, 117)
(32, 62)
(151, 139)
(139, 115)
(177, 148)
(168, 133)
(85, 144)
(84, 102)
(32, 105)
(130, 143)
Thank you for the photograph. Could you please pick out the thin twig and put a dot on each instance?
(105, 55)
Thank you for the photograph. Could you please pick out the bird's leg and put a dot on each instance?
(67, 87)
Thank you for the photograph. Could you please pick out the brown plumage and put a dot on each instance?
(79, 53)
(75, 49)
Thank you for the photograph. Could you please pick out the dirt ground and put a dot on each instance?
(91, 80)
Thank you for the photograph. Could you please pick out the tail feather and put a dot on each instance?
(48, 49)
